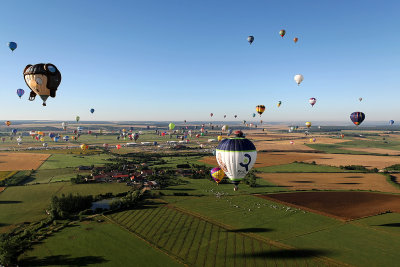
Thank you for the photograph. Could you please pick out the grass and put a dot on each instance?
(106, 243)
(198, 242)
(334, 149)
(28, 203)
(56, 175)
(59, 161)
(300, 167)
(6, 174)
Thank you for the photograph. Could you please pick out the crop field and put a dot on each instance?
(199, 242)
(300, 167)
(345, 205)
(28, 203)
(55, 175)
(95, 244)
(59, 161)
(21, 161)
(331, 181)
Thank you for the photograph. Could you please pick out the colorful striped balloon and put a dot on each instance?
(217, 174)
(357, 117)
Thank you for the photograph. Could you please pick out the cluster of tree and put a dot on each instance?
(80, 179)
(131, 200)
(251, 179)
(395, 167)
(358, 168)
(200, 172)
(63, 207)
(165, 179)
(16, 179)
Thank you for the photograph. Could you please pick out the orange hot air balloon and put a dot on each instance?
(295, 39)
(8, 123)
(84, 147)
(260, 109)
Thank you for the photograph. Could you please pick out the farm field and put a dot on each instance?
(55, 175)
(59, 161)
(21, 161)
(94, 244)
(28, 203)
(199, 242)
(345, 205)
(331, 181)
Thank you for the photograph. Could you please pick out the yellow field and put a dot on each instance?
(21, 161)
(331, 181)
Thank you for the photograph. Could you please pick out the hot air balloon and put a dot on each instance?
(92, 110)
(295, 39)
(64, 125)
(260, 109)
(357, 117)
(171, 126)
(250, 39)
(118, 146)
(197, 135)
(66, 138)
(360, 99)
(77, 118)
(261, 121)
(84, 147)
(219, 138)
(312, 101)
(224, 116)
(282, 33)
(45, 145)
(244, 121)
(20, 92)
(225, 128)
(217, 174)
(14, 131)
(12, 46)
(235, 116)
(43, 80)
(254, 114)
(292, 142)
(308, 124)
(105, 146)
(56, 138)
(3, 139)
(298, 78)
(8, 123)
(279, 103)
(236, 156)
(211, 114)
(136, 136)
(391, 122)
(202, 130)
(342, 135)
(19, 140)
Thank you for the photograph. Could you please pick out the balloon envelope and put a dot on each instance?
(308, 124)
(312, 101)
(250, 39)
(92, 110)
(12, 45)
(217, 174)
(357, 117)
(282, 33)
(20, 92)
(298, 78)
(391, 122)
(260, 109)
(171, 126)
(236, 156)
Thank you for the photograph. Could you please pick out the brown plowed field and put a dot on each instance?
(341, 205)
(373, 150)
(21, 161)
(331, 181)
(368, 161)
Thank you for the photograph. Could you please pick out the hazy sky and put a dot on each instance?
(175, 60)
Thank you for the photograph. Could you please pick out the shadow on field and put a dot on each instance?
(354, 176)
(303, 182)
(179, 189)
(61, 260)
(390, 224)
(10, 201)
(4, 224)
(265, 185)
(251, 230)
(288, 254)
(347, 183)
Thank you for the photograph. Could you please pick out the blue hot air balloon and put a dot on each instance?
(254, 114)
(236, 156)
(357, 117)
(20, 92)
(56, 138)
(14, 131)
(391, 122)
(92, 110)
(66, 138)
(12, 45)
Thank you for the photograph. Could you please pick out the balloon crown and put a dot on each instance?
(239, 134)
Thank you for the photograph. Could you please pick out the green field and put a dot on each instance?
(55, 175)
(300, 167)
(28, 203)
(6, 174)
(95, 244)
(60, 161)
(198, 242)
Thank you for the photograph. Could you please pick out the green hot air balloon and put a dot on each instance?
(171, 126)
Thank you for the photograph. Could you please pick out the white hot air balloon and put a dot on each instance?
(236, 156)
(298, 78)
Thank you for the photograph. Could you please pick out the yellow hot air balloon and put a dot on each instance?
(308, 124)
(42, 139)
(217, 174)
(84, 147)
(260, 109)
(219, 138)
